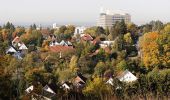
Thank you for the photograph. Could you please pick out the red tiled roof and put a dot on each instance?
(107, 50)
(60, 48)
(87, 37)
(96, 40)
(16, 39)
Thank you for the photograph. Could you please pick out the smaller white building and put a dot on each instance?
(54, 43)
(23, 47)
(11, 50)
(127, 76)
(79, 30)
(29, 89)
(55, 26)
(63, 43)
(48, 89)
(66, 86)
(104, 44)
(110, 81)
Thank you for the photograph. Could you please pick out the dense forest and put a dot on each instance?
(143, 50)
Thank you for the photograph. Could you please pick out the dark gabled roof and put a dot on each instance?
(68, 83)
(48, 94)
(81, 83)
(82, 77)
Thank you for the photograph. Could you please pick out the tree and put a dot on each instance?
(167, 28)
(34, 27)
(97, 89)
(118, 29)
(149, 49)
(123, 27)
(107, 31)
(62, 29)
(156, 25)
(95, 31)
(73, 63)
(9, 26)
(154, 48)
(121, 66)
(100, 30)
(128, 39)
(70, 29)
(65, 75)
(100, 69)
(131, 28)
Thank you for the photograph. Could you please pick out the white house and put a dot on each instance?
(66, 85)
(48, 93)
(127, 76)
(54, 43)
(48, 89)
(63, 43)
(23, 47)
(69, 43)
(79, 30)
(110, 81)
(29, 89)
(104, 44)
(11, 50)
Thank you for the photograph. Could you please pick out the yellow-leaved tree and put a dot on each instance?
(154, 49)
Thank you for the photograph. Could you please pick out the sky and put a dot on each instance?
(79, 12)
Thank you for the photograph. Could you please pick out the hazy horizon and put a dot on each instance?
(79, 12)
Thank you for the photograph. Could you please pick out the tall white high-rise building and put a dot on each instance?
(108, 18)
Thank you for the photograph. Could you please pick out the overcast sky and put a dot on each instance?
(80, 11)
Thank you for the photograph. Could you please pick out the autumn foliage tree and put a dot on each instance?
(154, 48)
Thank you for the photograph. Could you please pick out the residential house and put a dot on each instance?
(67, 86)
(54, 43)
(69, 43)
(14, 52)
(16, 41)
(60, 48)
(48, 93)
(127, 76)
(104, 44)
(110, 81)
(80, 80)
(23, 47)
(86, 37)
(11, 50)
(29, 89)
(63, 43)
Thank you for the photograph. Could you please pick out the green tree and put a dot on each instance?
(62, 29)
(128, 39)
(96, 89)
(121, 66)
(156, 25)
(100, 69)
(73, 63)
(167, 29)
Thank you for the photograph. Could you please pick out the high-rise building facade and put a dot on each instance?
(109, 18)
